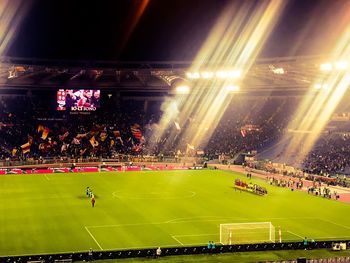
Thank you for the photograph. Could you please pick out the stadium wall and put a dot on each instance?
(169, 251)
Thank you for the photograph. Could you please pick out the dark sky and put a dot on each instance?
(167, 29)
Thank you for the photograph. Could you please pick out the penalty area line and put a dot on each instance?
(294, 234)
(93, 238)
(334, 223)
(177, 240)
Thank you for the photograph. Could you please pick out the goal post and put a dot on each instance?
(243, 233)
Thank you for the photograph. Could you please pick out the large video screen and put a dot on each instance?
(78, 99)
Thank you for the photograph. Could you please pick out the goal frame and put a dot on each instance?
(271, 228)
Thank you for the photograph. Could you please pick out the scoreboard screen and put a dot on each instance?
(78, 99)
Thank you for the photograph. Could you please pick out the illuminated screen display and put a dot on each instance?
(78, 99)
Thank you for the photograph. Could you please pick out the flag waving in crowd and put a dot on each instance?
(44, 130)
(136, 131)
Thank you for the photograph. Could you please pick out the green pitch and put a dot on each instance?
(51, 213)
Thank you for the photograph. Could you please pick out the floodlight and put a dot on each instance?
(234, 74)
(182, 89)
(232, 88)
(192, 75)
(341, 65)
(196, 75)
(319, 86)
(326, 67)
(207, 74)
(221, 74)
(278, 71)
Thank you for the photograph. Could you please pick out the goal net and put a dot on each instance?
(242, 233)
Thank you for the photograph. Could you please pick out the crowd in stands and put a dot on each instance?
(269, 116)
(30, 127)
(123, 126)
(331, 155)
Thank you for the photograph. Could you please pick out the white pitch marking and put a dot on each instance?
(198, 235)
(331, 222)
(93, 238)
(185, 221)
(120, 196)
(177, 240)
(47, 178)
(295, 234)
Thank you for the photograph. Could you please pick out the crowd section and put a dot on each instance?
(330, 155)
(267, 116)
(31, 128)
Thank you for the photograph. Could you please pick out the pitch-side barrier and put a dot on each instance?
(170, 251)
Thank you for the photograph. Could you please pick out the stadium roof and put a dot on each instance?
(284, 74)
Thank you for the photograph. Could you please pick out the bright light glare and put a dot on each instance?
(315, 111)
(320, 86)
(193, 75)
(182, 89)
(341, 65)
(221, 74)
(232, 88)
(233, 43)
(207, 75)
(326, 67)
(278, 71)
(11, 15)
(234, 74)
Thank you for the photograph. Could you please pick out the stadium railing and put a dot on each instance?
(169, 251)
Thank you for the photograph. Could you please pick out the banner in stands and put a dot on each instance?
(78, 99)
(104, 168)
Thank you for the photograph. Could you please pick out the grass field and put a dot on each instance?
(51, 213)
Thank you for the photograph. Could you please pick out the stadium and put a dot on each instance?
(148, 130)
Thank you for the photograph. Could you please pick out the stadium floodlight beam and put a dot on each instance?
(326, 67)
(221, 74)
(193, 75)
(11, 13)
(233, 43)
(232, 88)
(207, 74)
(189, 75)
(183, 89)
(341, 65)
(315, 111)
(319, 86)
(234, 74)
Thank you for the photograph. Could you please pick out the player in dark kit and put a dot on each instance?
(93, 201)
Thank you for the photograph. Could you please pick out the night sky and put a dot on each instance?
(166, 30)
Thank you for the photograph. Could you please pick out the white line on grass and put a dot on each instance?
(93, 238)
(144, 247)
(334, 223)
(198, 235)
(120, 196)
(191, 221)
(121, 225)
(191, 218)
(295, 234)
(47, 178)
(199, 218)
(177, 240)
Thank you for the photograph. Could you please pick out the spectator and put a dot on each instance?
(158, 252)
